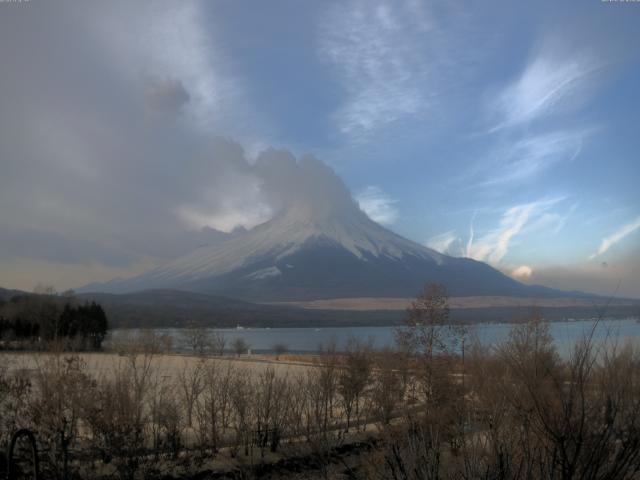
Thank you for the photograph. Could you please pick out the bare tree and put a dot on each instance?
(390, 383)
(240, 346)
(197, 339)
(148, 341)
(241, 394)
(320, 419)
(191, 384)
(165, 415)
(279, 348)
(168, 419)
(213, 407)
(15, 387)
(117, 417)
(431, 338)
(271, 405)
(354, 376)
(55, 405)
(218, 343)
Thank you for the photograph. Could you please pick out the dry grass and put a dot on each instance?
(515, 412)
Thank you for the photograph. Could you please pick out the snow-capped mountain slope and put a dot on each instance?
(307, 252)
(321, 245)
(286, 235)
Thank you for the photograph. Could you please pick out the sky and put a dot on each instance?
(131, 132)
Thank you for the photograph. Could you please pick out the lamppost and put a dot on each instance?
(23, 432)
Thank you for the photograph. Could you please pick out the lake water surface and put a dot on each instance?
(565, 335)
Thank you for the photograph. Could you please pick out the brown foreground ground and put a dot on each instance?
(515, 412)
(172, 366)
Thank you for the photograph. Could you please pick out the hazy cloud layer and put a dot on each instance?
(166, 96)
(611, 278)
(106, 163)
(131, 132)
(379, 206)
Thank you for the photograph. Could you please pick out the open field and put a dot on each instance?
(395, 303)
(171, 366)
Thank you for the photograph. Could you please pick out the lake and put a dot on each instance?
(305, 340)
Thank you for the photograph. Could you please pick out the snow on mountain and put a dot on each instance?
(284, 235)
(320, 245)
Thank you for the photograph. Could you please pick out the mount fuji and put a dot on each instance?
(321, 245)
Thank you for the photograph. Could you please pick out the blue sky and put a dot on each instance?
(502, 131)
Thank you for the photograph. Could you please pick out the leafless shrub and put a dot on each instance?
(167, 419)
(515, 412)
(241, 392)
(118, 418)
(410, 452)
(389, 387)
(218, 343)
(61, 389)
(134, 342)
(240, 346)
(191, 385)
(354, 377)
(271, 409)
(529, 415)
(214, 404)
(279, 349)
(15, 388)
(197, 339)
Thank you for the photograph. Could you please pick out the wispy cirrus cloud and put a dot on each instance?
(379, 206)
(494, 245)
(555, 81)
(444, 242)
(552, 82)
(369, 45)
(527, 157)
(552, 222)
(372, 47)
(616, 237)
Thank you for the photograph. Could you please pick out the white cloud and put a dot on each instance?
(553, 81)
(551, 222)
(227, 220)
(616, 237)
(377, 205)
(521, 160)
(442, 243)
(393, 59)
(494, 245)
(556, 80)
(469, 245)
(523, 272)
(370, 48)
